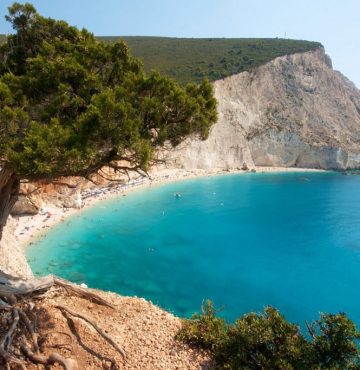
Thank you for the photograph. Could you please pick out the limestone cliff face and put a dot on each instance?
(293, 111)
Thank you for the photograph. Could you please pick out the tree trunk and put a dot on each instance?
(9, 190)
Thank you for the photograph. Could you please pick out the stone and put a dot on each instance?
(26, 205)
(245, 167)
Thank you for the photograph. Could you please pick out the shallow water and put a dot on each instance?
(291, 240)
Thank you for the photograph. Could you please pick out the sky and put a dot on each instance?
(334, 23)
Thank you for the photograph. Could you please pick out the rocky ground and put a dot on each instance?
(144, 331)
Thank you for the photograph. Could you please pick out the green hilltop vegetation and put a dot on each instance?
(191, 60)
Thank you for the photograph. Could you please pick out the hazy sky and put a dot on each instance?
(335, 23)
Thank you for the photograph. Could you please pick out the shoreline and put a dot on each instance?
(30, 228)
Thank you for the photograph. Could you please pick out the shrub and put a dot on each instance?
(334, 342)
(204, 330)
(267, 341)
(262, 341)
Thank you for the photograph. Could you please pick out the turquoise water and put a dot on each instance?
(290, 240)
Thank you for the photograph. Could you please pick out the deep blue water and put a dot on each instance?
(291, 240)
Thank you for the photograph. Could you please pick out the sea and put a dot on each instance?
(245, 241)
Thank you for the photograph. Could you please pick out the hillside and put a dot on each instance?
(189, 60)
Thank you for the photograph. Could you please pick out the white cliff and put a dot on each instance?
(294, 111)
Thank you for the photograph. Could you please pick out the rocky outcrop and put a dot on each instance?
(12, 257)
(62, 193)
(295, 111)
(26, 206)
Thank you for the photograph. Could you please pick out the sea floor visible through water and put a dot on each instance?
(290, 240)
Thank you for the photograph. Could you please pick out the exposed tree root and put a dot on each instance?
(9, 359)
(12, 286)
(4, 305)
(5, 344)
(15, 294)
(88, 349)
(68, 364)
(82, 293)
(91, 322)
(30, 329)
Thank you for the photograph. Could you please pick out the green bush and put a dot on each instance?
(267, 341)
(204, 330)
(333, 343)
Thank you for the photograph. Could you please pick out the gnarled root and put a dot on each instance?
(5, 344)
(14, 347)
(68, 364)
(6, 341)
(82, 292)
(89, 321)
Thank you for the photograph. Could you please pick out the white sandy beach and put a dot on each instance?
(30, 228)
